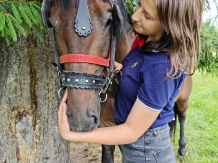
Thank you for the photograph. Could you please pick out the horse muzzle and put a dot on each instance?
(83, 121)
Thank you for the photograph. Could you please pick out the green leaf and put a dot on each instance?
(36, 15)
(16, 14)
(23, 13)
(2, 21)
(11, 29)
(31, 16)
(19, 28)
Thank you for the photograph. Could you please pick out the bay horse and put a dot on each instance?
(87, 33)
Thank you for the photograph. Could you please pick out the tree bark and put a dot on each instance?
(29, 103)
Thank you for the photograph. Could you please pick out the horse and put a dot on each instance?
(87, 38)
(180, 108)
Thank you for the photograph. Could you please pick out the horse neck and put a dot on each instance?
(124, 42)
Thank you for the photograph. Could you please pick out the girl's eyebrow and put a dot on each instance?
(139, 2)
(145, 12)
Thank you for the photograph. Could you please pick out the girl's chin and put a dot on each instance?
(136, 29)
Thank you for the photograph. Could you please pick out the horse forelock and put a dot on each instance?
(67, 4)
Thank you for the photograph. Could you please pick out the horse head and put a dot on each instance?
(84, 36)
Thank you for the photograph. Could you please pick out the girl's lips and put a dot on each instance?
(136, 25)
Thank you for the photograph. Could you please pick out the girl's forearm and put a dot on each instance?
(107, 135)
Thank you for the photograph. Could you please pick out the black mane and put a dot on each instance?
(125, 14)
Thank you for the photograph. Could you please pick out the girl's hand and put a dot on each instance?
(63, 124)
(117, 67)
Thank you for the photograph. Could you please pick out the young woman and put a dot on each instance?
(155, 72)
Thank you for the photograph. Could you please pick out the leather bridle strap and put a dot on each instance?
(84, 80)
(79, 58)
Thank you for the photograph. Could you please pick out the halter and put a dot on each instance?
(83, 27)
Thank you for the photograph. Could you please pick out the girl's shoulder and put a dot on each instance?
(155, 59)
(156, 55)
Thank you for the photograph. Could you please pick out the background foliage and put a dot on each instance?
(22, 16)
(19, 17)
(208, 59)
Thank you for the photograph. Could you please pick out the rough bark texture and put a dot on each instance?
(29, 104)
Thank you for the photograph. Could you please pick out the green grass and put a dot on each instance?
(201, 126)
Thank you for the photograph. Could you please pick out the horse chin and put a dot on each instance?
(79, 129)
(82, 129)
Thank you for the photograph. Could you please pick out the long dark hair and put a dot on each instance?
(181, 20)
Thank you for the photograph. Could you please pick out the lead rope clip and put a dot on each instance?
(104, 98)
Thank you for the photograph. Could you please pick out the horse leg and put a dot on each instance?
(182, 142)
(107, 120)
(107, 150)
(107, 153)
(172, 124)
(182, 106)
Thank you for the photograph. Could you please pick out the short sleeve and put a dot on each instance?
(156, 90)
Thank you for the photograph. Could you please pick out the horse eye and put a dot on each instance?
(109, 21)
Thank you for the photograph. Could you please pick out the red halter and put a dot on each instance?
(84, 58)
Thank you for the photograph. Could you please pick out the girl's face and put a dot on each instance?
(146, 20)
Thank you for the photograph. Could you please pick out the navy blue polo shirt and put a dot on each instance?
(143, 77)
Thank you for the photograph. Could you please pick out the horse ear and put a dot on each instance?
(45, 13)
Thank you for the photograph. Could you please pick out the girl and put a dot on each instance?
(155, 71)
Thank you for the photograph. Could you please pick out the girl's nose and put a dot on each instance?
(136, 15)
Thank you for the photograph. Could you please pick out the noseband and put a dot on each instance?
(83, 27)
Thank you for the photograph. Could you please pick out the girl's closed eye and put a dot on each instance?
(147, 17)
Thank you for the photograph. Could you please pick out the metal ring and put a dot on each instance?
(59, 92)
(100, 92)
(104, 98)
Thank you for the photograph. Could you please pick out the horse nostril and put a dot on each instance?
(69, 113)
(95, 120)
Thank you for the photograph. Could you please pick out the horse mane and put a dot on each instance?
(125, 14)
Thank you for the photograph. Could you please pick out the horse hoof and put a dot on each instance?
(182, 153)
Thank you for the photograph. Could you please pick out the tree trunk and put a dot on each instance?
(29, 104)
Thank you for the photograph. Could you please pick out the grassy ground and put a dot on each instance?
(201, 128)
